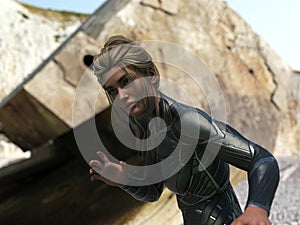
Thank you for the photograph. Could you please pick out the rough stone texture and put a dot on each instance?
(288, 138)
(168, 6)
(250, 80)
(28, 36)
(9, 153)
(251, 76)
(66, 69)
(26, 40)
(253, 81)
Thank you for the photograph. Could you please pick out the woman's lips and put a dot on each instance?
(128, 106)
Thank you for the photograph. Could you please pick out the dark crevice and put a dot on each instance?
(273, 76)
(272, 73)
(157, 8)
(64, 72)
(276, 85)
(251, 72)
(88, 60)
(24, 15)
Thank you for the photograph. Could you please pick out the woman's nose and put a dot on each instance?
(122, 93)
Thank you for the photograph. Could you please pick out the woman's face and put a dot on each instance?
(126, 87)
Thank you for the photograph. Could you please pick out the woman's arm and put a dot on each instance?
(230, 146)
(147, 193)
(261, 166)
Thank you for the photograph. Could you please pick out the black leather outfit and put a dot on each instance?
(206, 196)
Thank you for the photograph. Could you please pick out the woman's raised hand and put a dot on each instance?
(105, 166)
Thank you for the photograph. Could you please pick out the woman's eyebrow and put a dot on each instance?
(123, 77)
(118, 81)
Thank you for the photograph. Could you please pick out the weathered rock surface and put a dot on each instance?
(251, 79)
(288, 137)
(259, 90)
(28, 36)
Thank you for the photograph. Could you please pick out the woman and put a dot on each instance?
(204, 194)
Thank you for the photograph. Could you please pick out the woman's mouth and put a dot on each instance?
(128, 106)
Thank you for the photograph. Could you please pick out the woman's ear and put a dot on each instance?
(154, 76)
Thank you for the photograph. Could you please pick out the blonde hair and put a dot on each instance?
(122, 52)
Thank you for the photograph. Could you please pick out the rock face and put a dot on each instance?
(27, 38)
(288, 141)
(250, 80)
(252, 77)
(234, 75)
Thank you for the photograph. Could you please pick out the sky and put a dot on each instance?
(274, 20)
(81, 6)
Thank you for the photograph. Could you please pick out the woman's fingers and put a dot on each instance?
(99, 165)
(103, 157)
(95, 177)
(96, 165)
(93, 172)
(104, 166)
(123, 163)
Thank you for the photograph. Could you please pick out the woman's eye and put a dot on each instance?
(112, 91)
(127, 79)
(125, 82)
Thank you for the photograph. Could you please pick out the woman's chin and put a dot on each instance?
(134, 111)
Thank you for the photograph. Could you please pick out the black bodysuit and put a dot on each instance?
(205, 196)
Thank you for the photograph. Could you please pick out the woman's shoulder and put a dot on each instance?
(189, 120)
